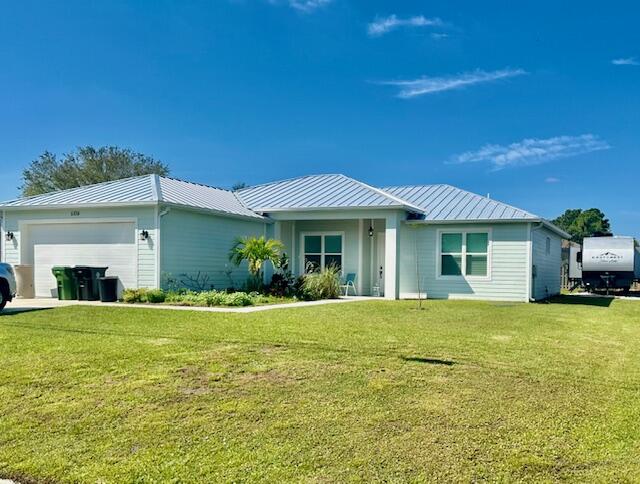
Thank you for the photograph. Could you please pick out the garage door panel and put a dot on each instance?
(93, 244)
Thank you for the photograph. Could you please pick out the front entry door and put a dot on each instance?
(379, 268)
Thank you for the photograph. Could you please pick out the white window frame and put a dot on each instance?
(464, 232)
(322, 251)
(547, 246)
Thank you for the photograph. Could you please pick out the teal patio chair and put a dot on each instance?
(349, 282)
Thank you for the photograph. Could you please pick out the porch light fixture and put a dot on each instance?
(370, 231)
(9, 236)
(144, 235)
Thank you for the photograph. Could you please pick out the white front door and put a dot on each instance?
(102, 244)
(378, 276)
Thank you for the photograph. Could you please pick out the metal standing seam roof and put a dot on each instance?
(447, 203)
(129, 190)
(433, 202)
(188, 194)
(146, 189)
(318, 192)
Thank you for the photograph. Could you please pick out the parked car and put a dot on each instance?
(7, 284)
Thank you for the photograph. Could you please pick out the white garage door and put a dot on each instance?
(111, 245)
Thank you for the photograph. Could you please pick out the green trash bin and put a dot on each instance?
(67, 288)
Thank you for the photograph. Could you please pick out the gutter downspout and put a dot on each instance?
(530, 285)
(159, 215)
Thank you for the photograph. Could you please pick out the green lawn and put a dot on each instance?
(460, 391)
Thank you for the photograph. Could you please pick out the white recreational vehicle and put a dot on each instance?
(606, 263)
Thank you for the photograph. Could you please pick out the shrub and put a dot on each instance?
(321, 285)
(191, 298)
(282, 284)
(187, 298)
(213, 298)
(156, 296)
(132, 296)
(238, 299)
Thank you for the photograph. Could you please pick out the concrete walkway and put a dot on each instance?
(20, 305)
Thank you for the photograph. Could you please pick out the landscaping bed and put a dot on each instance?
(202, 298)
(283, 288)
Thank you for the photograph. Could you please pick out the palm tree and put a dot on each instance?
(256, 251)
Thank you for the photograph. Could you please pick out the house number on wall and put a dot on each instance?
(75, 213)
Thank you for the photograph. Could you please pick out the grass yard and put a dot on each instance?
(461, 391)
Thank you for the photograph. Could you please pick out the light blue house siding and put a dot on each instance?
(143, 218)
(358, 250)
(153, 230)
(195, 242)
(508, 272)
(546, 250)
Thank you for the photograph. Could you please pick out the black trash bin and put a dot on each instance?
(108, 289)
(84, 283)
(87, 280)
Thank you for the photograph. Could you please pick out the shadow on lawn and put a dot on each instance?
(586, 300)
(428, 361)
(14, 311)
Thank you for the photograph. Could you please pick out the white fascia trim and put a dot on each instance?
(320, 209)
(474, 221)
(546, 223)
(67, 206)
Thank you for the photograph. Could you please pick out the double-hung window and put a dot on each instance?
(464, 253)
(322, 250)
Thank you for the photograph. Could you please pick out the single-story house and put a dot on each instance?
(436, 240)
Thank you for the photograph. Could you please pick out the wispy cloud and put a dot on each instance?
(384, 25)
(533, 151)
(625, 61)
(429, 85)
(552, 179)
(305, 6)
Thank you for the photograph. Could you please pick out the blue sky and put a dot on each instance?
(536, 103)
